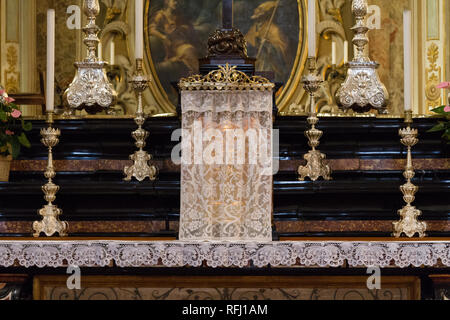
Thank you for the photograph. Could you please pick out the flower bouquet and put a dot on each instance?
(445, 111)
(12, 133)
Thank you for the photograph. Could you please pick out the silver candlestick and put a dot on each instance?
(141, 168)
(362, 89)
(50, 223)
(408, 224)
(90, 89)
(315, 166)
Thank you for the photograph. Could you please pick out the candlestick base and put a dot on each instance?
(50, 223)
(90, 90)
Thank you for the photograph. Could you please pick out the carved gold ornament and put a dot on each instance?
(432, 73)
(225, 78)
(227, 42)
(12, 76)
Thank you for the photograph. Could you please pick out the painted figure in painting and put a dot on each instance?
(268, 39)
(174, 31)
(178, 32)
(174, 42)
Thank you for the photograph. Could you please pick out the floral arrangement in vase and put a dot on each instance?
(12, 128)
(444, 111)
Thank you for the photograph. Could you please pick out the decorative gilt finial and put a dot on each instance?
(362, 89)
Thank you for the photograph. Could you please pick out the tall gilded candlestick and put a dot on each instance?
(409, 224)
(141, 168)
(315, 166)
(90, 89)
(50, 223)
(362, 89)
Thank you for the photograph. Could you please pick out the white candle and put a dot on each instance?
(407, 58)
(50, 90)
(100, 49)
(345, 52)
(112, 53)
(312, 28)
(139, 41)
(333, 53)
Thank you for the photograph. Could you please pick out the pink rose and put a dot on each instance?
(9, 100)
(9, 133)
(16, 113)
(447, 109)
(2, 92)
(443, 85)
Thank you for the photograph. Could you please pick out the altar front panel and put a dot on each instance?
(227, 288)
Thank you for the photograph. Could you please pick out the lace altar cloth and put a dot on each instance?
(226, 165)
(101, 253)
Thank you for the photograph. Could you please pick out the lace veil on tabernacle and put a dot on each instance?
(226, 164)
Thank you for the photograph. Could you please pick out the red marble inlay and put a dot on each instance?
(282, 226)
(286, 165)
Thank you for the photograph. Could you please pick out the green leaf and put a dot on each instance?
(26, 126)
(446, 134)
(439, 127)
(15, 146)
(439, 110)
(3, 116)
(24, 140)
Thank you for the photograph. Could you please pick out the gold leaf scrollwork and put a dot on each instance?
(11, 74)
(433, 73)
(225, 78)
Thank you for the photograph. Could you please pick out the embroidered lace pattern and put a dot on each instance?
(223, 254)
(226, 169)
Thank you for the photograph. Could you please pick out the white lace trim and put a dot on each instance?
(223, 254)
(226, 101)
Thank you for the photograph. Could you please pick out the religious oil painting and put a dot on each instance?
(177, 33)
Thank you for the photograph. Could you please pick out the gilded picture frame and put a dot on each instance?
(291, 86)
